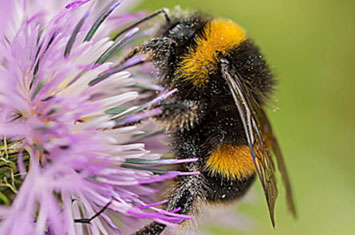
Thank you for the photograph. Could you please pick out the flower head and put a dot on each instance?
(65, 107)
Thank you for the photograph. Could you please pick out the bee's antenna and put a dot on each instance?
(161, 11)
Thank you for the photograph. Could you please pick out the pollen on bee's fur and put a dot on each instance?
(219, 37)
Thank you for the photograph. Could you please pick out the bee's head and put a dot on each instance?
(183, 30)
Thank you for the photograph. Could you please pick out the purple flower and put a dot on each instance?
(62, 104)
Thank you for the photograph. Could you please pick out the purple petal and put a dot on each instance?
(6, 13)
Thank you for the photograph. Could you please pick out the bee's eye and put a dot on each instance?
(181, 32)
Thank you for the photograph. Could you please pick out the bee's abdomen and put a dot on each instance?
(231, 162)
(220, 189)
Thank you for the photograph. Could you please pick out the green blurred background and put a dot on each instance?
(310, 45)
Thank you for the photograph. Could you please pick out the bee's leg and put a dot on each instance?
(185, 196)
(181, 116)
(88, 220)
(188, 191)
(151, 229)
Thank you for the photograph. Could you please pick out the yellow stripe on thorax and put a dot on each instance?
(220, 36)
(231, 162)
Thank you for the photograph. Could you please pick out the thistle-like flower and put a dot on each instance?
(67, 150)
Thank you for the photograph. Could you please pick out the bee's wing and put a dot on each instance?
(258, 149)
(268, 132)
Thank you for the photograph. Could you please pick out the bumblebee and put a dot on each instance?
(217, 114)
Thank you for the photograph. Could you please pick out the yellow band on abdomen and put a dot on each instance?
(231, 162)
